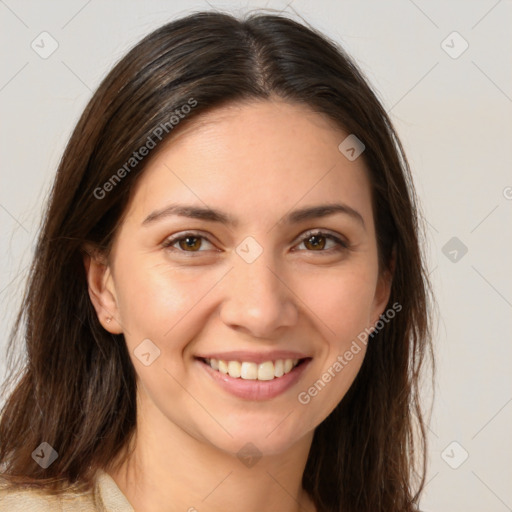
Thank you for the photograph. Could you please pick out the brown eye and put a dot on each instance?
(190, 243)
(315, 242)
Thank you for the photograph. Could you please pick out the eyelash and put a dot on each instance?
(342, 245)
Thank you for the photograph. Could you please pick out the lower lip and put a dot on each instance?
(256, 389)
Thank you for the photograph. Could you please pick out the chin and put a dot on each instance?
(259, 439)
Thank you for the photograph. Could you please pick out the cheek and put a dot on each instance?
(341, 303)
(154, 300)
(341, 300)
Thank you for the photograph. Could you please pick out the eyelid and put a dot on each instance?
(171, 240)
(341, 242)
(336, 237)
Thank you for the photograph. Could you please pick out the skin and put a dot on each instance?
(269, 157)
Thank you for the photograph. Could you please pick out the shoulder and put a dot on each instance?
(105, 496)
(16, 500)
(13, 499)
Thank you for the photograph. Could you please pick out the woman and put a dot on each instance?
(228, 305)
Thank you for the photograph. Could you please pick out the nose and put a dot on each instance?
(258, 300)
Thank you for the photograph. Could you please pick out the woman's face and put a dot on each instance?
(256, 289)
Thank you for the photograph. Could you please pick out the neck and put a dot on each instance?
(168, 469)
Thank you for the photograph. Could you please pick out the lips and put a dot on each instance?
(253, 357)
(258, 376)
(267, 370)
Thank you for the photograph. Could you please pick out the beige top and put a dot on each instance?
(105, 497)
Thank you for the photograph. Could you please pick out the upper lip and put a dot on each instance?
(254, 357)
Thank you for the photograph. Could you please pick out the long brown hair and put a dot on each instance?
(76, 389)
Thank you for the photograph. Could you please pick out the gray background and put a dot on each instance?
(453, 116)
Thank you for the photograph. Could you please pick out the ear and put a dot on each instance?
(101, 289)
(383, 290)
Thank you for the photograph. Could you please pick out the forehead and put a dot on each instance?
(262, 157)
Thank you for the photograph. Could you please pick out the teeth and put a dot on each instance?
(249, 370)
(234, 369)
(266, 370)
(288, 365)
(279, 368)
(253, 371)
(223, 366)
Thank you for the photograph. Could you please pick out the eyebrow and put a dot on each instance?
(213, 215)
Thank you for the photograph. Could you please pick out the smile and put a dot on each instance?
(268, 370)
(254, 381)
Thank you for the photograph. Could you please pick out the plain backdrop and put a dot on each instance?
(450, 98)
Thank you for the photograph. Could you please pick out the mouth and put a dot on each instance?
(255, 381)
(248, 370)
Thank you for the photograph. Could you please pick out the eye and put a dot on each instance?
(316, 241)
(188, 242)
